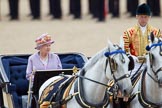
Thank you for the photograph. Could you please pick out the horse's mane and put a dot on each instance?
(94, 59)
(97, 56)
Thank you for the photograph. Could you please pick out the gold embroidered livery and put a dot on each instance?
(135, 41)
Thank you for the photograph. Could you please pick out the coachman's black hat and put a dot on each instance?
(143, 9)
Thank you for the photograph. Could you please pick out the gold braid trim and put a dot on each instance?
(48, 89)
(45, 104)
(66, 93)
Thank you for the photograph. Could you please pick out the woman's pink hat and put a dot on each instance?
(42, 40)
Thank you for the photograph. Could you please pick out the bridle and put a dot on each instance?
(113, 68)
(148, 48)
(113, 64)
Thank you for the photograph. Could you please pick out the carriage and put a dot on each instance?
(90, 87)
(13, 82)
(99, 70)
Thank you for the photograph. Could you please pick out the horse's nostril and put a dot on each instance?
(125, 92)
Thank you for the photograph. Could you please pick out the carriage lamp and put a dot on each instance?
(75, 69)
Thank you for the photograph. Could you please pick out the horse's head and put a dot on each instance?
(154, 58)
(117, 68)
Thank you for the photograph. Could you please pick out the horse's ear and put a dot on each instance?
(131, 63)
(152, 38)
(121, 43)
(110, 44)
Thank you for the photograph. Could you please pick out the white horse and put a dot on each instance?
(90, 88)
(150, 84)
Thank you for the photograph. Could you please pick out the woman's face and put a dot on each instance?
(143, 19)
(45, 48)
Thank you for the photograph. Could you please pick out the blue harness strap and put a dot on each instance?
(153, 45)
(107, 54)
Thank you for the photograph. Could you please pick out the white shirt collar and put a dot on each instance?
(143, 29)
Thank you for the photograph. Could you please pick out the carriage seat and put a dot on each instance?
(15, 69)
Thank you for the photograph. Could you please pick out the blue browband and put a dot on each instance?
(153, 45)
(114, 52)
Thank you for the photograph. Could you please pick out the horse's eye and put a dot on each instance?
(160, 52)
(123, 60)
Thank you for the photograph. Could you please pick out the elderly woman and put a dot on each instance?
(43, 59)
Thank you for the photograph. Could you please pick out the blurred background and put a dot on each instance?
(82, 26)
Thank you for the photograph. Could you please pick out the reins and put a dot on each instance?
(83, 77)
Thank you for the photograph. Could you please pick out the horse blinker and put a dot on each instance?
(113, 64)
